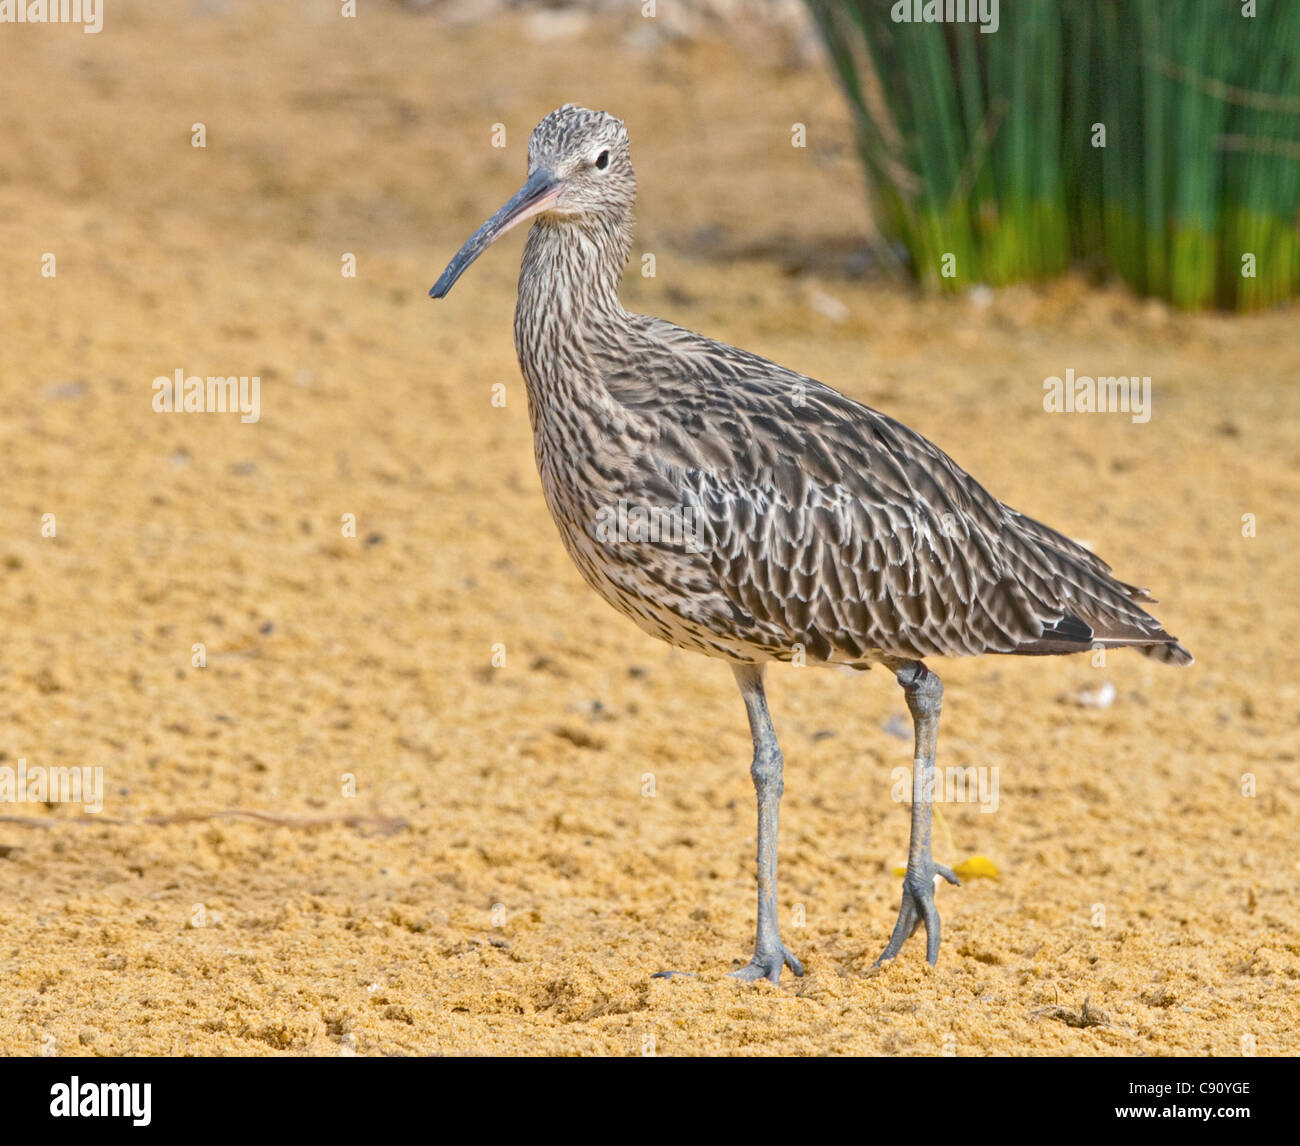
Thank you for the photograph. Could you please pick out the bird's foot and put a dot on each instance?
(918, 907)
(767, 965)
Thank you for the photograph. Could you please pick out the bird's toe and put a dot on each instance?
(768, 965)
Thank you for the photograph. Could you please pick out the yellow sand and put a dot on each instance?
(502, 884)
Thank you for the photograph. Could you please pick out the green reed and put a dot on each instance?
(985, 155)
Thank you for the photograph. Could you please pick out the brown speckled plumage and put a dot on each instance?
(829, 527)
(823, 529)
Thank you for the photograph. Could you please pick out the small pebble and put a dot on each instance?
(1103, 696)
(828, 306)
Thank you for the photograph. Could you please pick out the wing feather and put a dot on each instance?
(838, 528)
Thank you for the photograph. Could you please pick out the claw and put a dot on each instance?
(768, 966)
(918, 907)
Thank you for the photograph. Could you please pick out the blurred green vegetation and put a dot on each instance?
(987, 146)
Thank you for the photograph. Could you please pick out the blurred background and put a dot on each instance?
(1152, 139)
(373, 756)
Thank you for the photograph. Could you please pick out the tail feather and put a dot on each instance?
(1096, 607)
(1168, 652)
(1071, 634)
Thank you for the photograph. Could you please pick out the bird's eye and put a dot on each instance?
(602, 160)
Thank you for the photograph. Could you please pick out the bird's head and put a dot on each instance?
(579, 171)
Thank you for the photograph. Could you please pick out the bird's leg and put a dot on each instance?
(770, 954)
(924, 692)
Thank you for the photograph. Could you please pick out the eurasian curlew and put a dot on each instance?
(819, 528)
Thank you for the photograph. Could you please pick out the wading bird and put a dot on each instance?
(822, 530)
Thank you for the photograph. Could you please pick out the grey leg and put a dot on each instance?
(770, 954)
(924, 692)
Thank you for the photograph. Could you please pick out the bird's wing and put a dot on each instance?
(840, 529)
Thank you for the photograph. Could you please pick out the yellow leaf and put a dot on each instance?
(975, 867)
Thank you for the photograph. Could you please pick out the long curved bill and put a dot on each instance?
(534, 197)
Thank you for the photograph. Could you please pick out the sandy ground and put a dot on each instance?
(499, 883)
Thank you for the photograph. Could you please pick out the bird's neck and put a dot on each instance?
(575, 265)
(568, 308)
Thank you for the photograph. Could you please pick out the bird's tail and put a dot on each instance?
(1168, 653)
(1097, 607)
